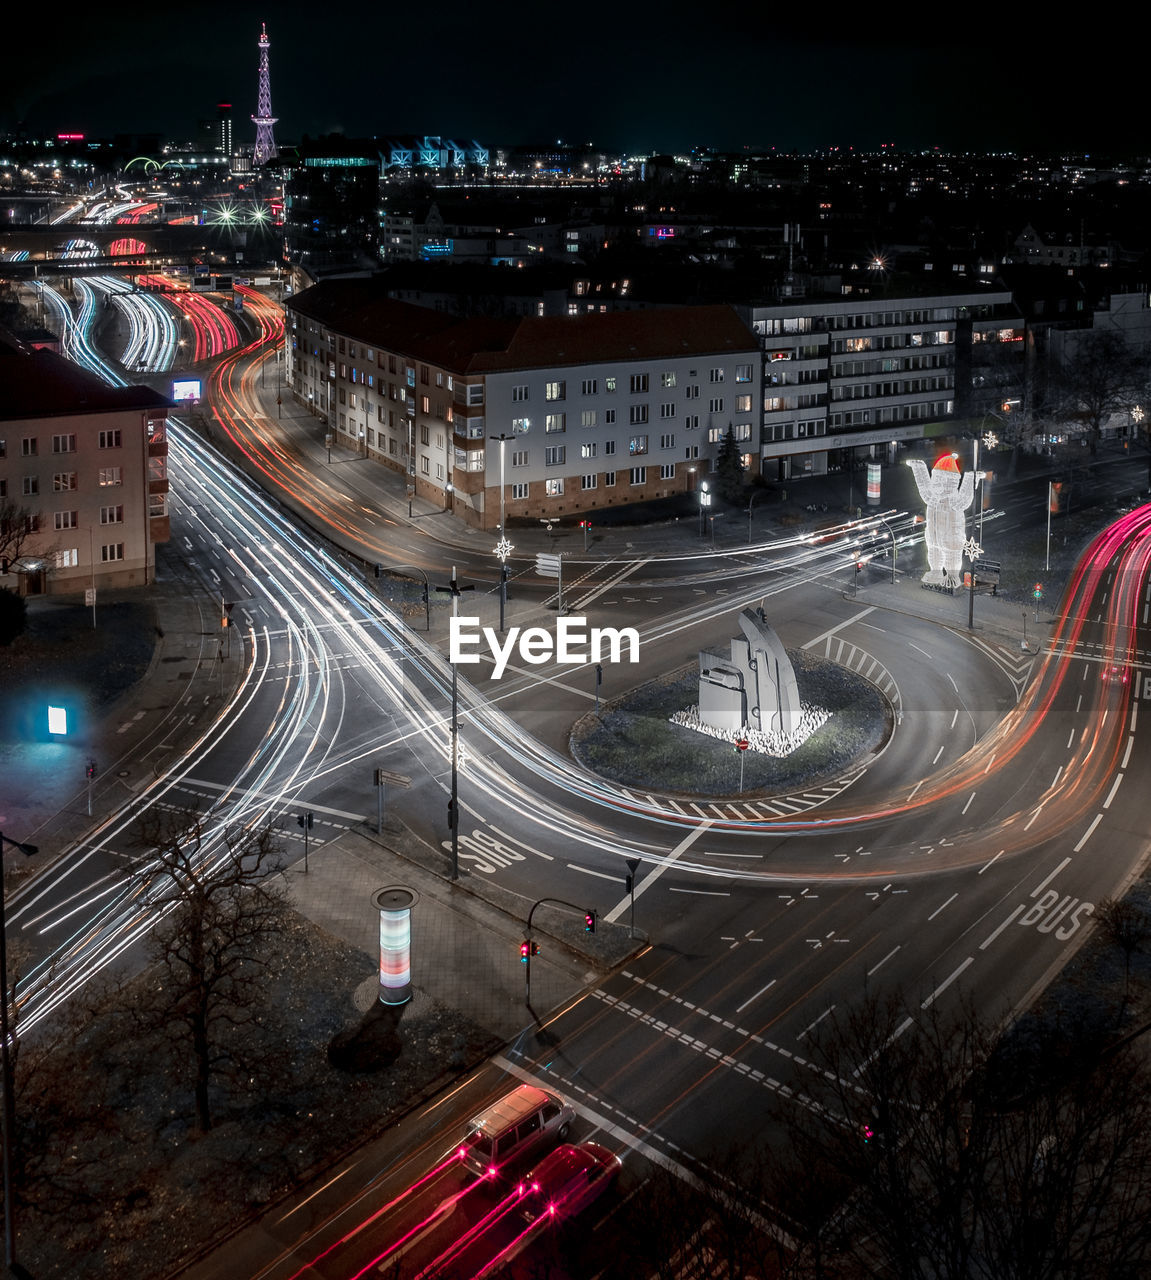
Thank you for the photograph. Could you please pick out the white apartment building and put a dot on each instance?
(86, 464)
(537, 417)
(870, 373)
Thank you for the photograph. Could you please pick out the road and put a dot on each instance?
(963, 862)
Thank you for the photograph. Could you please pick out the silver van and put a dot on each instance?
(517, 1126)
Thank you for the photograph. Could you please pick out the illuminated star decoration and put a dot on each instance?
(503, 549)
(972, 550)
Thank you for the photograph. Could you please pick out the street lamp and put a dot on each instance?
(9, 1135)
(704, 501)
(454, 589)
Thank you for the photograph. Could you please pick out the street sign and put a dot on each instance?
(385, 778)
(547, 566)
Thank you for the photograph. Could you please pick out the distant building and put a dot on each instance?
(331, 205)
(588, 411)
(87, 464)
(216, 134)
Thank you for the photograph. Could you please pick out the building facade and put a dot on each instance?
(83, 467)
(534, 417)
(849, 374)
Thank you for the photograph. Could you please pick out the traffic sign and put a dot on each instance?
(385, 778)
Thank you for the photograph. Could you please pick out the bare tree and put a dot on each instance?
(1104, 377)
(1125, 923)
(221, 911)
(63, 1130)
(959, 1155)
(17, 524)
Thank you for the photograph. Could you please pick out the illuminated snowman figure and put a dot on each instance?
(946, 496)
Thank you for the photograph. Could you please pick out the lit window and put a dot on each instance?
(554, 488)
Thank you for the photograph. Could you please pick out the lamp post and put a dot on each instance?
(411, 466)
(454, 589)
(704, 501)
(6, 1065)
(503, 547)
(972, 550)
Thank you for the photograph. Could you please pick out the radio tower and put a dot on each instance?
(265, 139)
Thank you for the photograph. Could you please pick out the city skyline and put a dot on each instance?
(649, 81)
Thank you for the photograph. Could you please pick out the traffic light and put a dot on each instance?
(379, 571)
(525, 951)
(589, 921)
(585, 524)
(90, 770)
(305, 820)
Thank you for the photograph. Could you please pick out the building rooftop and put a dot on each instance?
(40, 384)
(484, 345)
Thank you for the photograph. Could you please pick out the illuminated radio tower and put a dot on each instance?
(265, 139)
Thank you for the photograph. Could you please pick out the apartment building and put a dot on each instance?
(83, 465)
(851, 377)
(540, 416)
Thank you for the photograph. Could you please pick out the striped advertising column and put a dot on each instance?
(395, 907)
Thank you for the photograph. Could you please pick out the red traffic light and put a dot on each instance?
(589, 921)
(525, 951)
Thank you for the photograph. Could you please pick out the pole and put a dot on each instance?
(453, 589)
(632, 868)
(560, 583)
(971, 598)
(9, 1133)
(1048, 561)
(598, 682)
(379, 805)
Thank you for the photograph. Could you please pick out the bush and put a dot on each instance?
(13, 615)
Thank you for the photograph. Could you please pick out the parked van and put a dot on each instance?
(515, 1127)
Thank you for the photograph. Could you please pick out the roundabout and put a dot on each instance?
(634, 742)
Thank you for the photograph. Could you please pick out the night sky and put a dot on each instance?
(625, 76)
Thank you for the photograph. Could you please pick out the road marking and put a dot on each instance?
(968, 804)
(946, 904)
(641, 885)
(602, 875)
(1000, 854)
(1089, 832)
(939, 990)
(991, 938)
(834, 630)
(260, 795)
(814, 1024)
(752, 999)
(1111, 793)
(1048, 878)
(875, 967)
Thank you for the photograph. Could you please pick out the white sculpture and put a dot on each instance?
(946, 496)
(755, 687)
